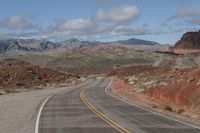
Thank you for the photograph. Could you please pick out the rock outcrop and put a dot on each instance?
(189, 43)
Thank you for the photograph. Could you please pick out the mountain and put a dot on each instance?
(75, 43)
(134, 41)
(32, 45)
(26, 45)
(189, 43)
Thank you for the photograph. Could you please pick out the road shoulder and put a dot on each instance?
(19, 110)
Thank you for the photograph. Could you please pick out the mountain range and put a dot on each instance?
(33, 45)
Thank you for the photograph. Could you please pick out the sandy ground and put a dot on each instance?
(18, 111)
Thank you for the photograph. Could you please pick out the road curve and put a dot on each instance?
(89, 109)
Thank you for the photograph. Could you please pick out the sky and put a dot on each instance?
(163, 21)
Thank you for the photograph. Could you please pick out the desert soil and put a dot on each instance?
(125, 91)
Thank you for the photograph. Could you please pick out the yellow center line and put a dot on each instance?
(101, 115)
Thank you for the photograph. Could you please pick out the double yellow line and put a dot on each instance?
(101, 115)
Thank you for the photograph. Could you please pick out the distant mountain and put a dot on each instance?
(189, 43)
(26, 45)
(32, 45)
(75, 43)
(134, 41)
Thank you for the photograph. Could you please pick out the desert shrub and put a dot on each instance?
(37, 88)
(198, 83)
(19, 83)
(154, 106)
(168, 108)
(118, 65)
(190, 80)
(10, 59)
(180, 111)
(126, 80)
(9, 91)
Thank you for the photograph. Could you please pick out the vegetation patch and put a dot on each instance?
(168, 108)
(191, 79)
(180, 111)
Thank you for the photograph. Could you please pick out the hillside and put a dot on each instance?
(95, 59)
(16, 75)
(171, 91)
(189, 43)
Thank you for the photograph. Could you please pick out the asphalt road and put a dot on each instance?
(90, 109)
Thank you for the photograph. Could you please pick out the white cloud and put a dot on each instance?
(130, 31)
(93, 28)
(189, 16)
(122, 15)
(104, 23)
(176, 29)
(79, 28)
(106, 2)
(16, 22)
(194, 21)
(14, 34)
(181, 2)
(76, 28)
(186, 13)
(74, 25)
(144, 30)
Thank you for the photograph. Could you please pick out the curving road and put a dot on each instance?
(88, 108)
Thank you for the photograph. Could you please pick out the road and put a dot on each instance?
(88, 108)
(18, 111)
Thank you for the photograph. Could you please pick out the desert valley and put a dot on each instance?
(166, 78)
(100, 66)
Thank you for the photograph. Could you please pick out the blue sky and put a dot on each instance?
(163, 21)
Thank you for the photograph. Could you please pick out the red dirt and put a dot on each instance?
(125, 91)
(181, 91)
(120, 87)
(18, 74)
(185, 92)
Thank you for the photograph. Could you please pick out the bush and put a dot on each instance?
(168, 108)
(154, 106)
(198, 83)
(19, 83)
(10, 59)
(191, 79)
(180, 111)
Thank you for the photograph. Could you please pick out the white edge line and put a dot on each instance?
(109, 93)
(39, 114)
